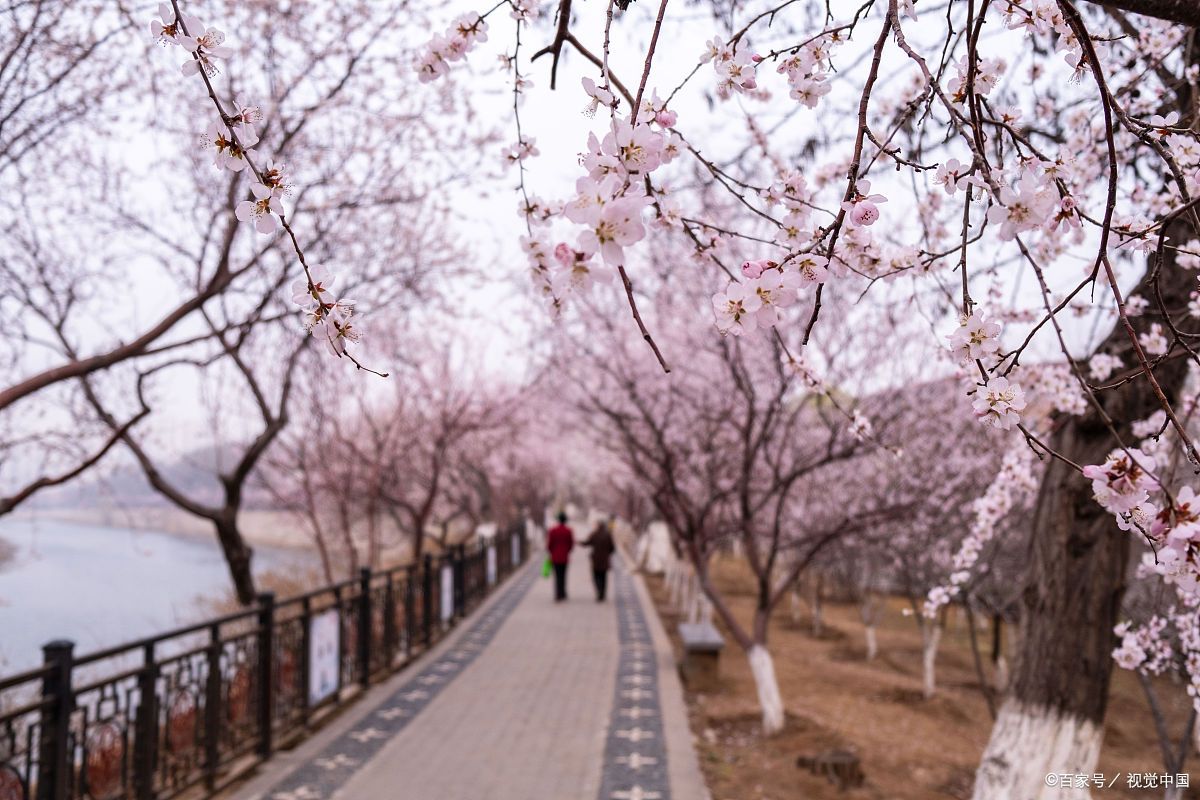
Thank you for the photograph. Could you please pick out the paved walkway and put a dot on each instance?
(530, 700)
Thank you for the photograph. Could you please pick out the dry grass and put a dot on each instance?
(910, 748)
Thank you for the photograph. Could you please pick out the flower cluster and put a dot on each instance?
(754, 303)
(1024, 209)
(988, 72)
(444, 49)
(999, 403)
(806, 69)
(1014, 480)
(976, 339)
(954, 176)
(1143, 647)
(1123, 482)
(232, 138)
(735, 68)
(207, 45)
(523, 149)
(1102, 365)
(1165, 643)
(324, 313)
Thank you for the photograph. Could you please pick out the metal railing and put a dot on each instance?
(187, 712)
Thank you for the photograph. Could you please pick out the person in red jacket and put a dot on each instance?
(559, 541)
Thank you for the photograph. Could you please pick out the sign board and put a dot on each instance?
(447, 592)
(515, 541)
(324, 655)
(491, 564)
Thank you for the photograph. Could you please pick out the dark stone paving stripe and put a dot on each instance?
(321, 777)
(635, 753)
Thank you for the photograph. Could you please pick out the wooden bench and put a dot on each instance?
(702, 645)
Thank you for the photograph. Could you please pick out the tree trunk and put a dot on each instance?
(1030, 742)
(818, 621)
(869, 613)
(237, 555)
(1000, 674)
(1053, 720)
(931, 637)
(762, 667)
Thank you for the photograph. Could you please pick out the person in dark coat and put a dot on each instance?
(559, 541)
(601, 543)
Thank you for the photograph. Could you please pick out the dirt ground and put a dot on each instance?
(910, 748)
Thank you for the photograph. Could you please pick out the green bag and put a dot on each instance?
(547, 568)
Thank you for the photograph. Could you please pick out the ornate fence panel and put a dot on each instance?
(189, 710)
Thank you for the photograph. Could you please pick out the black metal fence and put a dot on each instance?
(188, 711)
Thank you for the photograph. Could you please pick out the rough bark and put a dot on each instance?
(1185, 12)
(818, 618)
(238, 555)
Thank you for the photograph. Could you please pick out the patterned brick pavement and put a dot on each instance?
(530, 701)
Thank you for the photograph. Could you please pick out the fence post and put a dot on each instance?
(305, 655)
(266, 672)
(410, 613)
(364, 626)
(427, 600)
(212, 709)
(390, 640)
(54, 736)
(146, 739)
(459, 571)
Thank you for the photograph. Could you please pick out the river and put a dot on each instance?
(101, 586)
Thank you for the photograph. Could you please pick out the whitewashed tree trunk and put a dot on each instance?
(796, 603)
(762, 667)
(1000, 679)
(1196, 736)
(1030, 742)
(1173, 793)
(689, 592)
(868, 611)
(676, 583)
(931, 637)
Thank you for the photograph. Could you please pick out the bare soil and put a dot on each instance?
(910, 748)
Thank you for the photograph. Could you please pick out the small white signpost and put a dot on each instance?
(491, 564)
(447, 592)
(323, 656)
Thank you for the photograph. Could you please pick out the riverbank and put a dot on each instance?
(99, 586)
(265, 528)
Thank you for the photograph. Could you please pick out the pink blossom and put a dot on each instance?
(261, 210)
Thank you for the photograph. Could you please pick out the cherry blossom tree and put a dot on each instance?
(1050, 146)
(738, 446)
(91, 375)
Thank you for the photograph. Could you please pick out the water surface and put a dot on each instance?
(101, 586)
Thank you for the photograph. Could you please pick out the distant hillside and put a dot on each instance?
(124, 485)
